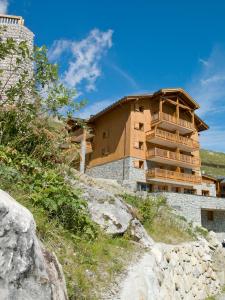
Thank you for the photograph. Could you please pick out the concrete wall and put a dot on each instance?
(194, 208)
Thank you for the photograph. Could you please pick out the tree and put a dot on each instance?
(31, 96)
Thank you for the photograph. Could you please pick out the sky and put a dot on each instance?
(107, 49)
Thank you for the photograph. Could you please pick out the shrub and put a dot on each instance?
(46, 187)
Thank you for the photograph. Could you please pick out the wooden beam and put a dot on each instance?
(160, 107)
(175, 103)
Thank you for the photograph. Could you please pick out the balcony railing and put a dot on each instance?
(172, 137)
(170, 155)
(169, 118)
(5, 20)
(167, 174)
(77, 135)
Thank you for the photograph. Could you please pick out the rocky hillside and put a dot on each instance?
(110, 243)
(213, 163)
(124, 263)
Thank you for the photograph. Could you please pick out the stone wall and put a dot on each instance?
(18, 33)
(194, 208)
(122, 170)
(187, 271)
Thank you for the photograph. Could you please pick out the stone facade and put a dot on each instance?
(19, 33)
(122, 170)
(196, 209)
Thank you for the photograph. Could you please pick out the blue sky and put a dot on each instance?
(108, 49)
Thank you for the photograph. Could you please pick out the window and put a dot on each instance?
(139, 164)
(139, 145)
(139, 108)
(105, 134)
(205, 193)
(210, 215)
(142, 186)
(139, 126)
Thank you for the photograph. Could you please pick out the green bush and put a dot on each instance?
(46, 187)
(146, 209)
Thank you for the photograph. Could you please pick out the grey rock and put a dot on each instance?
(139, 234)
(27, 270)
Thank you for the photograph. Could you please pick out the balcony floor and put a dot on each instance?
(167, 125)
(171, 162)
(171, 182)
(167, 143)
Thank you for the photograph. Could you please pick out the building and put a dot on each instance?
(147, 142)
(13, 27)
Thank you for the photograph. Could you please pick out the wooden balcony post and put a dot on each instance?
(192, 118)
(83, 151)
(177, 112)
(160, 107)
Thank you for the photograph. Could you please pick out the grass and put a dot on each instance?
(213, 163)
(89, 266)
(159, 220)
(167, 229)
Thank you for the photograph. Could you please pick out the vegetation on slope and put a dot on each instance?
(159, 220)
(90, 259)
(213, 163)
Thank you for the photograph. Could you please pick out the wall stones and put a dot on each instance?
(194, 208)
(18, 33)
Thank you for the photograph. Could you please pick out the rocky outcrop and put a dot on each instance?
(27, 270)
(186, 271)
(109, 210)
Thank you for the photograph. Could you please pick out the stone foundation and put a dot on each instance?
(195, 209)
(122, 170)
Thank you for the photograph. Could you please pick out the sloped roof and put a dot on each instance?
(179, 91)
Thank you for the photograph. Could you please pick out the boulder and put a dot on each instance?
(27, 270)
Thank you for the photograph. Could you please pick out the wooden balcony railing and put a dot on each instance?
(169, 118)
(167, 174)
(77, 135)
(172, 137)
(154, 152)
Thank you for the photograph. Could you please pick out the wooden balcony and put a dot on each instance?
(89, 148)
(165, 138)
(77, 136)
(170, 122)
(172, 158)
(171, 175)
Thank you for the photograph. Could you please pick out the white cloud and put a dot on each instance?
(94, 108)
(207, 87)
(4, 6)
(85, 55)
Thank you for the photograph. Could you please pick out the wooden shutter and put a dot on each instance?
(136, 145)
(136, 125)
